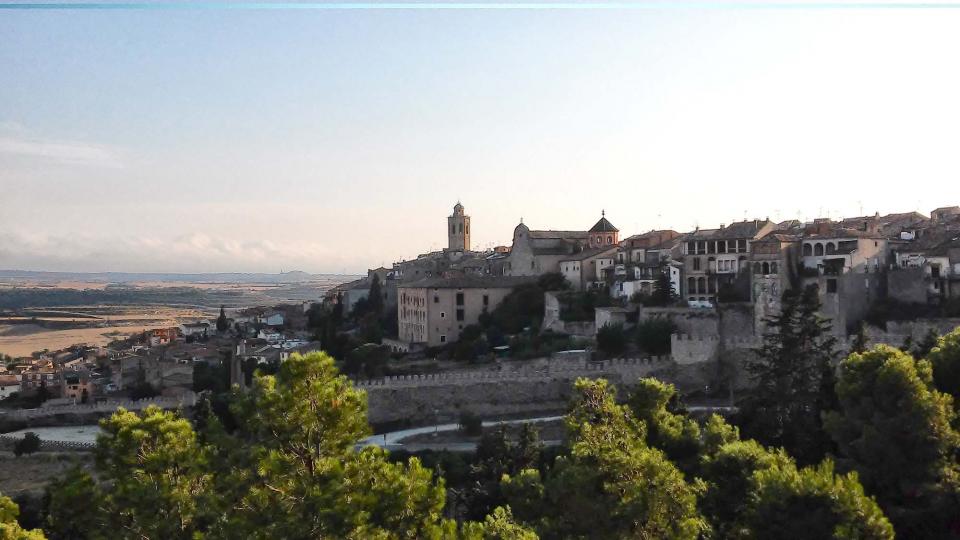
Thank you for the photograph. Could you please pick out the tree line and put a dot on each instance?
(863, 448)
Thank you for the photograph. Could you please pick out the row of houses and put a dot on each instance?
(856, 261)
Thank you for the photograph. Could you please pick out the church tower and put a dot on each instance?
(458, 230)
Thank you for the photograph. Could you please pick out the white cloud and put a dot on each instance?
(61, 152)
(189, 253)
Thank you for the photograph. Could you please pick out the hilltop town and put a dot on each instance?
(699, 296)
(867, 268)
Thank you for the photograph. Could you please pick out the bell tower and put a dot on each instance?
(458, 230)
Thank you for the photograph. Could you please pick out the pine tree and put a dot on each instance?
(663, 292)
(793, 372)
(222, 323)
(375, 297)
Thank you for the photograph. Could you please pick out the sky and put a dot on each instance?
(338, 140)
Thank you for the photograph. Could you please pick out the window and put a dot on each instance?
(711, 247)
(831, 285)
(691, 285)
(486, 300)
(818, 249)
(766, 268)
(459, 314)
(459, 298)
(773, 268)
(443, 315)
(757, 268)
(609, 239)
(443, 339)
(696, 263)
(436, 299)
(691, 248)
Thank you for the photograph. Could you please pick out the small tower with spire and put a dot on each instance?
(603, 233)
(458, 230)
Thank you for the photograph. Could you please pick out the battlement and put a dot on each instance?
(188, 400)
(627, 367)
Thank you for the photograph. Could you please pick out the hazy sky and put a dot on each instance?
(213, 140)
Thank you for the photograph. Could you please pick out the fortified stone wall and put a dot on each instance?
(688, 320)
(544, 386)
(540, 386)
(107, 407)
(897, 332)
(907, 285)
(7, 442)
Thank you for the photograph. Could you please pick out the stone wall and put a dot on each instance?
(698, 349)
(108, 407)
(897, 332)
(539, 386)
(528, 387)
(907, 285)
(7, 442)
(688, 320)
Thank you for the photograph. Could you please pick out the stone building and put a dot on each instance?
(587, 268)
(926, 270)
(539, 252)
(714, 259)
(434, 311)
(848, 266)
(774, 261)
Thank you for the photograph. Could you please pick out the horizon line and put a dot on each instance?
(475, 5)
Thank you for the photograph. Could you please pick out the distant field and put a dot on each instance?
(55, 310)
(93, 325)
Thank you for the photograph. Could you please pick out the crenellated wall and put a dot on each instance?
(108, 407)
(539, 386)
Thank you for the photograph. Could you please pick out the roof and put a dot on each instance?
(469, 282)
(603, 225)
(577, 235)
(779, 237)
(589, 253)
(841, 232)
(652, 239)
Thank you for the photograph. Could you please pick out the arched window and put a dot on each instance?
(807, 250)
(766, 268)
(831, 248)
(691, 285)
(773, 268)
(460, 227)
(756, 268)
(818, 249)
(609, 239)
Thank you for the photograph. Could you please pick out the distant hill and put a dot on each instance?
(295, 276)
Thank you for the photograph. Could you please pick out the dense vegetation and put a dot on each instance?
(856, 448)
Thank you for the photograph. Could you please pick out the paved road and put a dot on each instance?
(392, 440)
